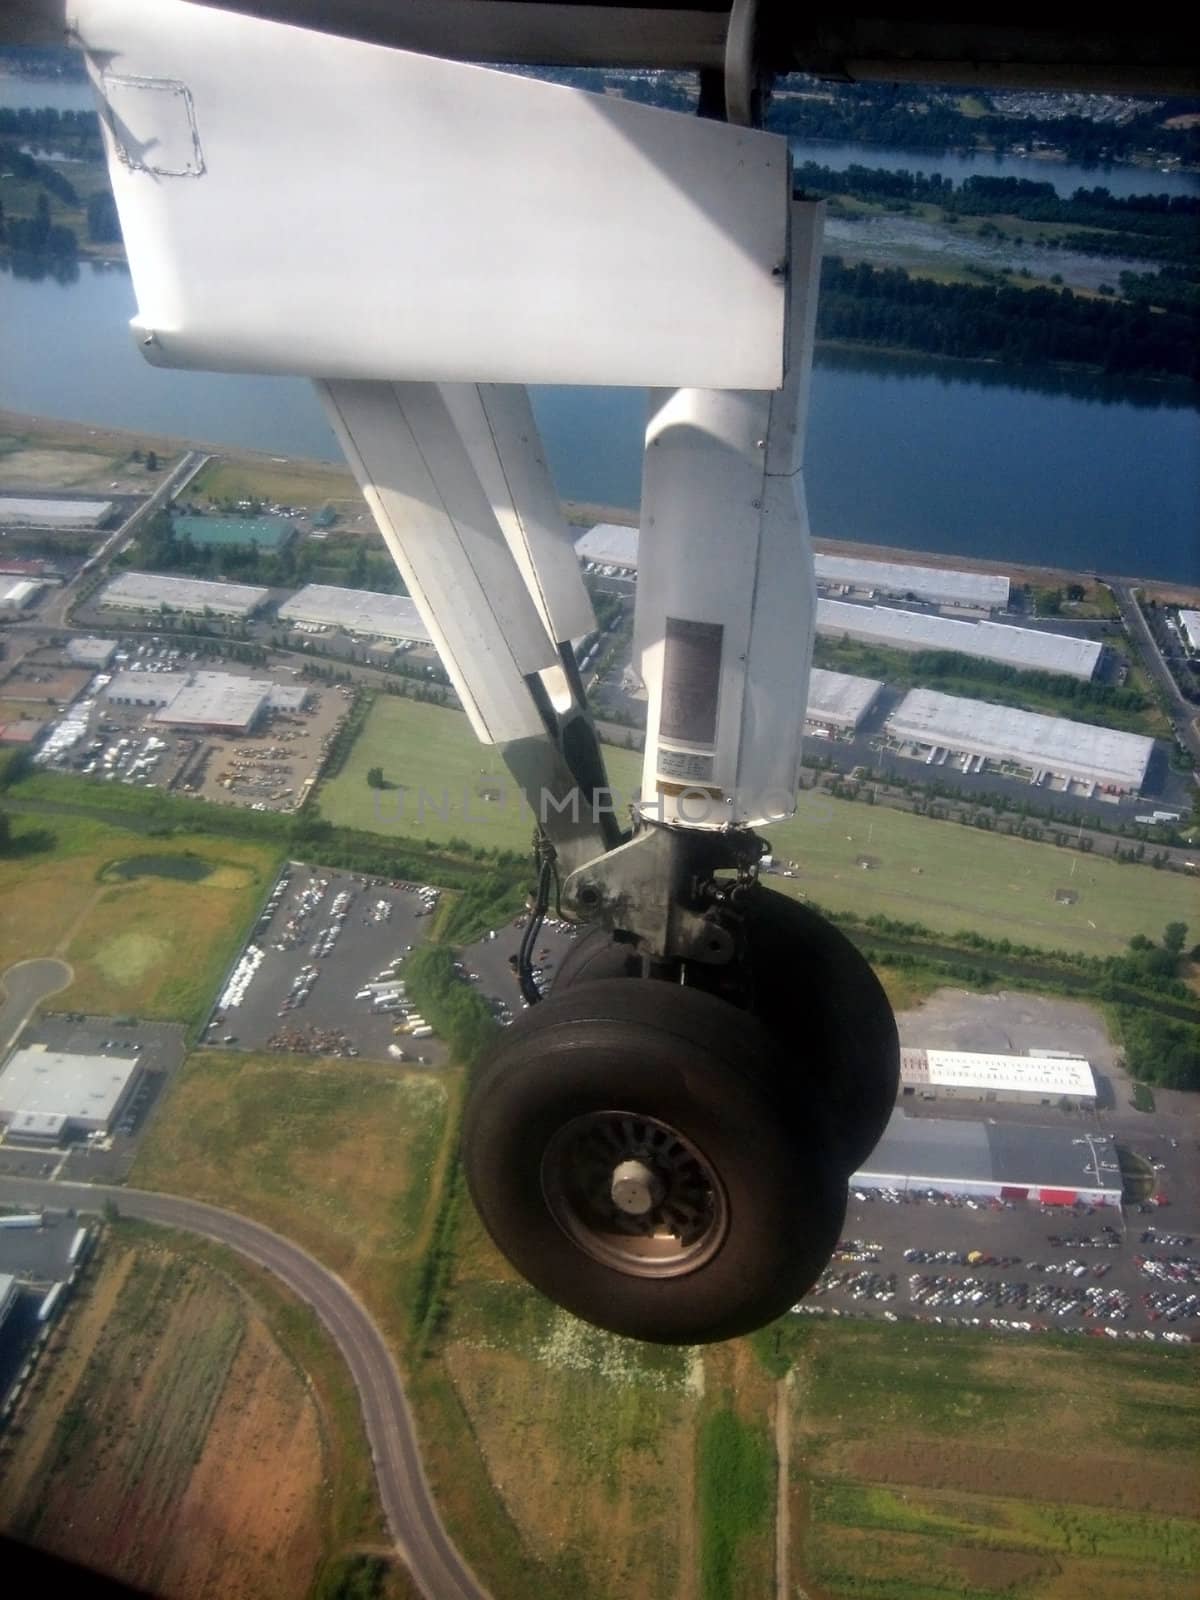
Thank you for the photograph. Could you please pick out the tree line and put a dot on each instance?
(885, 307)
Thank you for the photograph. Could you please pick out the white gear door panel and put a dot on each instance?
(293, 202)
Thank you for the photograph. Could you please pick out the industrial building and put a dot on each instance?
(1025, 648)
(89, 652)
(152, 591)
(16, 512)
(1017, 1080)
(943, 726)
(377, 616)
(609, 544)
(210, 702)
(1189, 621)
(837, 702)
(262, 533)
(46, 1094)
(9, 1290)
(17, 593)
(985, 591)
(993, 1160)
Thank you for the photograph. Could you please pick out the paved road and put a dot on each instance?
(24, 984)
(1183, 713)
(437, 1568)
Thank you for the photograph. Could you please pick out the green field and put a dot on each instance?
(949, 877)
(340, 1156)
(446, 784)
(940, 874)
(930, 1463)
(146, 931)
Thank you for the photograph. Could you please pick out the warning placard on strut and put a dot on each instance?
(691, 681)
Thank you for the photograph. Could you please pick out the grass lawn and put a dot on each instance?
(289, 483)
(949, 877)
(340, 1156)
(923, 1465)
(153, 945)
(442, 778)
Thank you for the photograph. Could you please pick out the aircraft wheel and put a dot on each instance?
(625, 1153)
(830, 1018)
(595, 954)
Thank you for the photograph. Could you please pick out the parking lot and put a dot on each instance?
(301, 983)
(1015, 1266)
(488, 962)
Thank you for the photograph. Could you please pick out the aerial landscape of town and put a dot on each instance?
(269, 907)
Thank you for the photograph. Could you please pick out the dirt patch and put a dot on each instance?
(954, 1019)
(249, 1523)
(939, 1463)
(999, 1569)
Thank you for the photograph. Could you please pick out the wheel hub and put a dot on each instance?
(634, 1193)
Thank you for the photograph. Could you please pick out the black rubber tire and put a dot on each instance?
(682, 1057)
(595, 954)
(827, 1012)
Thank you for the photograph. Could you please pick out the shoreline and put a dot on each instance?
(82, 435)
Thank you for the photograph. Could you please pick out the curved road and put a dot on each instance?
(436, 1566)
(24, 984)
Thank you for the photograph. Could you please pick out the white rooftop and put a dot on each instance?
(609, 544)
(1190, 622)
(214, 697)
(1051, 744)
(943, 585)
(386, 616)
(57, 1084)
(839, 697)
(149, 590)
(967, 1069)
(148, 688)
(92, 652)
(990, 641)
(56, 513)
(17, 591)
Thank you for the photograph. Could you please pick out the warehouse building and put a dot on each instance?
(609, 544)
(48, 1094)
(208, 702)
(260, 533)
(838, 702)
(16, 512)
(1026, 648)
(376, 616)
(18, 593)
(152, 591)
(943, 726)
(985, 591)
(90, 652)
(993, 1161)
(1189, 621)
(1016, 1080)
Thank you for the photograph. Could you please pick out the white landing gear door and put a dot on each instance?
(726, 590)
(438, 522)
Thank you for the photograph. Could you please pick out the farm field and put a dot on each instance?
(148, 925)
(949, 877)
(931, 1463)
(434, 764)
(342, 1157)
(174, 1443)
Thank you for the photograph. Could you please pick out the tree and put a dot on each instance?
(151, 461)
(1174, 937)
(5, 832)
(375, 778)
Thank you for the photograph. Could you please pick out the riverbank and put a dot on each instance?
(329, 481)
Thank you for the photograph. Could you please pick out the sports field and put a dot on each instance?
(928, 1464)
(147, 924)
(443, 783)
(865, 859)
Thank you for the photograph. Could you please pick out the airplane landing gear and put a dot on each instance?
(629, 1151)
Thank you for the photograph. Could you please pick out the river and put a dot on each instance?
(907, 452)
